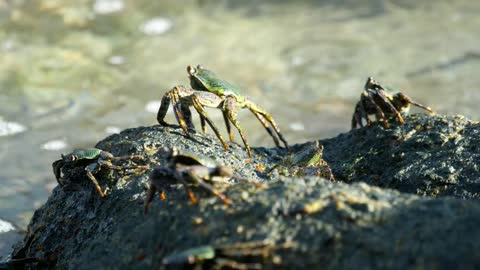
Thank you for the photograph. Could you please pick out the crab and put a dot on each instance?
(375, 99)
(241, 255)
(307, 161)
(93, 160)
(187, 168)
(210, 91)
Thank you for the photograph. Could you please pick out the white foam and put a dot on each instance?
(54, 145)
(112, 130)
(297, 126)
(116, 60)
(153, 106)
(156, 26)
(6, 226)
(10, 128)
(108, 6)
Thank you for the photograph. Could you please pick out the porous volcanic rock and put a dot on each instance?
(362, 223)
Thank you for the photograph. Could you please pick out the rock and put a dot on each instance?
(433, 156)
(330, 225)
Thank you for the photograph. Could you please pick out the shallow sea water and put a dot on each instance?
(73, 72)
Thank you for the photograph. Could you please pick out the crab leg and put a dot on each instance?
(176, 109)
(257, 109)
(360, 112)
(192, 175)
(173, 96)
(188, 116)
(364, 107)
(401, 96)
(421, 106)
(149, 197)
(158, 175)
(197, 104)
(108, 164)
(57, 169)
(162, 111)
(357, 116)
(222, 263)
(189, 191)
(113, 158)
(229, 106)
(389, 104)
(379, 113)
(267, 127)
(90, 169)
(229, 128)
(202, 123)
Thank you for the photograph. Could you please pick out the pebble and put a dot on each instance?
(156, 26)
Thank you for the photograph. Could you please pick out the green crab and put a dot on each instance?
(242, 255)
(307, 161)
(211, 91)
(187, 168)
(93, 160)
(375, 99)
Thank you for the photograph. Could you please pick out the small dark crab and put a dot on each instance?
(375, 99)
(211, 91)
(188, 169)
(93, 160)
(306, 161)
(241, 255)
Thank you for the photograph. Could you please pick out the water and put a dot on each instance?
(73, 72)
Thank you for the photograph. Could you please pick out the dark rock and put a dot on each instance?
(333, 225)
(433, 156)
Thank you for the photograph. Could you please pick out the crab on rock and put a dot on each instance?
(93, 160)
(208, 90)
(375, 99)
(188, 169)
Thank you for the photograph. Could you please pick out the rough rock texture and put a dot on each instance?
(332, 225)
(434, 156)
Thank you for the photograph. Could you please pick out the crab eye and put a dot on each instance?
(199, 67)
(191, 70)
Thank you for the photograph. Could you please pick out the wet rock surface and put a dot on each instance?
(331, 225)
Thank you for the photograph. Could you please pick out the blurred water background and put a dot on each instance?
(73, 72)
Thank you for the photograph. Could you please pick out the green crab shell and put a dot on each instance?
(207, 80)
(192, 255)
